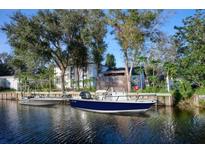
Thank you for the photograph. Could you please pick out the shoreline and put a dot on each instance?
(163, 99)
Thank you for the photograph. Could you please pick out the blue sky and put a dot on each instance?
(172, 18)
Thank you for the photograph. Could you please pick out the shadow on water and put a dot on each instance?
(130, 114)
(138, 114)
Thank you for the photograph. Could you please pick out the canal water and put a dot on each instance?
(63, 124)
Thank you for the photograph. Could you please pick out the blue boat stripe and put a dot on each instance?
(109, 105)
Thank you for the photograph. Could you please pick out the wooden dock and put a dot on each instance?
(164, 99)
(10, 96)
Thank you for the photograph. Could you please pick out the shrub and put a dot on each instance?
(184, 88)
(177, 96)
(202, 102)
(200, 91)
(152, 90)
(6, 89)
(91, 89)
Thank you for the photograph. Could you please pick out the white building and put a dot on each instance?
(10, 82)
(87, 76)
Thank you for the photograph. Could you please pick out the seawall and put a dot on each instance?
(165, 99)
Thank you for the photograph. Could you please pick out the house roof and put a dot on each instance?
(121, 71)
(114, 72)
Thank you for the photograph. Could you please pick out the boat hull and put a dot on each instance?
(42, 101)
(34, 103)
(109, 106)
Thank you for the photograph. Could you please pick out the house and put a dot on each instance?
(116, 78)
(9, 82)
(107, 78)
(87, 77)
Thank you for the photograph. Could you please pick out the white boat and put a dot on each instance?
(44, 101)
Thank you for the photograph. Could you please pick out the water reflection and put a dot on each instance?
(63, 124)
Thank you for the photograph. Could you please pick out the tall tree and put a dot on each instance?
(110, 61)
(190, 40)
(79, 56)
(141, 62)
(131, 27)
(162, 58)
(49, 34)
(170, 69)
(94, 35)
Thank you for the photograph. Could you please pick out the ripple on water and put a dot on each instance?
(63, 124)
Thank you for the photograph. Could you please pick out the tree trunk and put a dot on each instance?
(49, 80)
(83, 79)
(78, 78)
(153, 82)
(63, 80)
(98, 69)
(127, 74)
(168, 83)
(147, 82)
(141, 71)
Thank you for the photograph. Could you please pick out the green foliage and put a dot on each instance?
(7, 89)
(191, 45)
(153, 90)
(61, 36)
(153, 80)
(110, 61)
(171, 69)
(79, 56)
(177, 96)
(94, 35)
(183, 90)
(40, 81)
(149, 70)
(202, 102)
(5, 66)
(91, 89)
(87, 84)
(6, 69)
(200, 91)
(131, 29)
